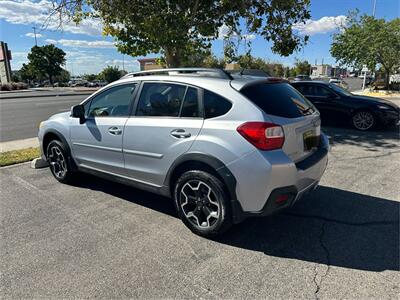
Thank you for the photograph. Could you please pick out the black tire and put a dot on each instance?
(364, 120)
(59, 161)
(216, 203)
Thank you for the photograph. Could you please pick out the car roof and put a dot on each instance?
(312, 82)
(236, 82)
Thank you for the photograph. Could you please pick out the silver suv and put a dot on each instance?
(223, 146)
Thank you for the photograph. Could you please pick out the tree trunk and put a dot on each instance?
(172, 58)
(387, 79)
(51, 79)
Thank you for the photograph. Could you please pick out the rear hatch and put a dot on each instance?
(286, 107)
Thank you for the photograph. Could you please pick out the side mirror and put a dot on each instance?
(78, 111)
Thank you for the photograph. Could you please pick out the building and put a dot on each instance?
(5, 67)
(148, 64)
(338, 71)
(321, 70)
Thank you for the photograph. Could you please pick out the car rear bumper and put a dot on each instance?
(274, 181)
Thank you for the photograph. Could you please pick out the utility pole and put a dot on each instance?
(374, 9)
(34, 32)
(123, 62)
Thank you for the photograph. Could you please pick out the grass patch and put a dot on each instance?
(18, 156)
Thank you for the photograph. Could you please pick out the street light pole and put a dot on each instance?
(34, 32)
(374, 9)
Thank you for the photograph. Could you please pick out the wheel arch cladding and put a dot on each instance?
(205, 162)
(51, 135)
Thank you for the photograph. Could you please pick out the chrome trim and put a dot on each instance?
(141, 153)
(118, 175)
(98, 147)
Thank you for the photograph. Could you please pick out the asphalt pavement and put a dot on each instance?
(20, 116)
(100, 239)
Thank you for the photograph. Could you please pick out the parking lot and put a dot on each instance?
(101, 239)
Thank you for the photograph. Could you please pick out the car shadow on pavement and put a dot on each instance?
(329, 226)
(369, 140)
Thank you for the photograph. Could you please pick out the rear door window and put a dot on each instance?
(279, 99)
(160, 99)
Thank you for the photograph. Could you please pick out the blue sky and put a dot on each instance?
(88, 51)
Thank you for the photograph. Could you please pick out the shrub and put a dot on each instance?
(13, 86)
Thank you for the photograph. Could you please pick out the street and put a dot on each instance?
(20, 116)
(101, 239)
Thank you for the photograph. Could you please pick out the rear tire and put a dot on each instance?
(59, 162)
(202, 203)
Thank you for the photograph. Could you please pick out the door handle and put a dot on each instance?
(115, 130)
(180, 133)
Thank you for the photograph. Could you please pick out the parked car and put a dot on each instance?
(302, 78)
(378, 83)
(339, 82)
(223, 148)
(337, 104)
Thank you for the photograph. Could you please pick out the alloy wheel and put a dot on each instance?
(199, 204)
(57, 161)
(363, 120)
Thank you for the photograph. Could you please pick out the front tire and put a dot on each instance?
(59, 163)
(202, 203)
(363, 120)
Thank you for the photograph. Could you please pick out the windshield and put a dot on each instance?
(340, 90)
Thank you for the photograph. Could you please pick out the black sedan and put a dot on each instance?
(337, 104)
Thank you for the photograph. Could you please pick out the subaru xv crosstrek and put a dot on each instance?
(224, 147)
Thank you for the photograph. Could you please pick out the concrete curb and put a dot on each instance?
(47, 95)
(38, 163)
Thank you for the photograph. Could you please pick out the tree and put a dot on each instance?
(110, 74)
(369, 41)
(27, 73)
(89, 77)
(174, 28)
(302, 67)
(63, 77)
(46, 61)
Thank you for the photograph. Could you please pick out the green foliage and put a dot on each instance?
(110, 74)
(63, 77)
(175, 28)
(89, 77)
(27, 73)
(249, 62)
(368, 41)
(45, 61)
(301, 67)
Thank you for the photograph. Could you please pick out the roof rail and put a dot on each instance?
(206, 72)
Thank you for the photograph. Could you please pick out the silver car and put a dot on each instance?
(224, 148)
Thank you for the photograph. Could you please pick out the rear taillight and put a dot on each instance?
(264, 136)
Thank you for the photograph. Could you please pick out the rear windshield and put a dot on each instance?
(279, 99)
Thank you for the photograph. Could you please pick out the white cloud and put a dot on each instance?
(323, 25)
(50, 41)
(32, 35)
(82, 43)
(28, 12)
(224, 30)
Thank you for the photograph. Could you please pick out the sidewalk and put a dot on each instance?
(379, 94)
(46, 92)
(19, 144)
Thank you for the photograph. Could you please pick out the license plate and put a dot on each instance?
(311, 140)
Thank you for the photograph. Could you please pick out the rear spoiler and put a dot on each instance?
(239, 85)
